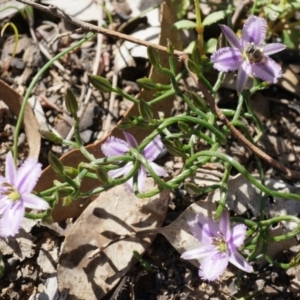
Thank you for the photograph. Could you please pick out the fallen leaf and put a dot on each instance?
(115, 212)
(13, 100)
(178, 233)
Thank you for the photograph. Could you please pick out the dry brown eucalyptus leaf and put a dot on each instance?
(178, 233)
(13, 100)
(115, 212)
(73, 158)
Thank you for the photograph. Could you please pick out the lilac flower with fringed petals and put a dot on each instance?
(249, 55)
(15, 194)
(220, 243)
(115, 147)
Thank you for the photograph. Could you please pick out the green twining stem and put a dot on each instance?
(243, 171)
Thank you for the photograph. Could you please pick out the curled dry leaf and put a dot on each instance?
(13, 100)
(115, 212)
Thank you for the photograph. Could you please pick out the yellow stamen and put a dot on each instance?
(14, 195)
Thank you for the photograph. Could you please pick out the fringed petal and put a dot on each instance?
(267, 70)
(239, 261)
(114, 147)
(130, 140)
(204, 229)
(273, 48)
(142, 175)
(11, 219)
(198, 253)
(231, 37)
(213, 266)
(225, 224)
(227, 59)
(28, 175)
(237, 235)
(254, 30)
(160, 171)
(243, 75)
(153, 149)
(10, 169)
(120, 171)
(34, 202)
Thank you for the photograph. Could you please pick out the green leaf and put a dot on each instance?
(215, 17)
(184, 24)
(291, 38)
(272, 11)
(211, 45)
(181, 7)
(295, 5)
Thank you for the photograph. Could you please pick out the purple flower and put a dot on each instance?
(15, 194)
(220, 243)
(249, 55)
(115, 147)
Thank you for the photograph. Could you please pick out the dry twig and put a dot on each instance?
(53, 10)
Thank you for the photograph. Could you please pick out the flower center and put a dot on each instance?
(220, 244)
(253, 53)
(11, 192)
(14, 196)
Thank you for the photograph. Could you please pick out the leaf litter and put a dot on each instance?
(243, 198)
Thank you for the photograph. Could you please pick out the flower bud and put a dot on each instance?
(50, 136)
(185, 128)
(102, 175)
(71, 103)
(146, 83)
(194, 68)
(70, 171)
(48, 219)
(153, 57)
(175, 148)
(146, 125)
(101, 83)
(198, 101)
(67, 201)
(170, 47)
(55, 164)
(192, 188)
(196, 57)
(145, 111)
(125, 125)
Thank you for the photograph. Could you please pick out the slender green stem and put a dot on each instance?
(219, 81)
(224, 190)
(229, 16)
(253, 9)
(238, 108)
(199, 28)
(169, 93)
(33, 83)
